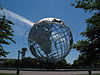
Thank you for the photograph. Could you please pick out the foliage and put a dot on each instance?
(29, 62)
(90, 47)
(59, 65)
(89, 5)
(6, 33)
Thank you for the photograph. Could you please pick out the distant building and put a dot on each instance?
(23, 51)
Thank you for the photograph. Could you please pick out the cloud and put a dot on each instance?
(16, 16)
(21, 28)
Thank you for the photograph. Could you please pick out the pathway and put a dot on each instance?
(48, 72)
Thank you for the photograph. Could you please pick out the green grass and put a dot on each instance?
(7, 74)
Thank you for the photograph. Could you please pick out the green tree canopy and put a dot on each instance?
(90, 47)
(6, 33)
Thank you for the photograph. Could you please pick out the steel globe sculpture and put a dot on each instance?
(50, 40)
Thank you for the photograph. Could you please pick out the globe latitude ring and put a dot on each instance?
(50, 40)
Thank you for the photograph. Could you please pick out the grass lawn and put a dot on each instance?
(7, 74)
(88, 74)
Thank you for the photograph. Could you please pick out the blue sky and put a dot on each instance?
(35, 10)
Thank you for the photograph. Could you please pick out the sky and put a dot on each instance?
(34, 10)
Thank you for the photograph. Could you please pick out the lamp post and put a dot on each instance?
(18, 62)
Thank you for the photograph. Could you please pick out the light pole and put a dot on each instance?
(18, 62)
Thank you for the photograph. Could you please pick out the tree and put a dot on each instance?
(6, 33)
(90, 47)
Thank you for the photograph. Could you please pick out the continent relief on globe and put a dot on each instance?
(41, 35)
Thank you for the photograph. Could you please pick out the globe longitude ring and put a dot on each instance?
(50, 40)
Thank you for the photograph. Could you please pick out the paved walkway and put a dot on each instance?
(48, 72)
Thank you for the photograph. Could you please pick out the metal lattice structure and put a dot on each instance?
(50, 40)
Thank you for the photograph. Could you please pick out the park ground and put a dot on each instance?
(11, 72)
